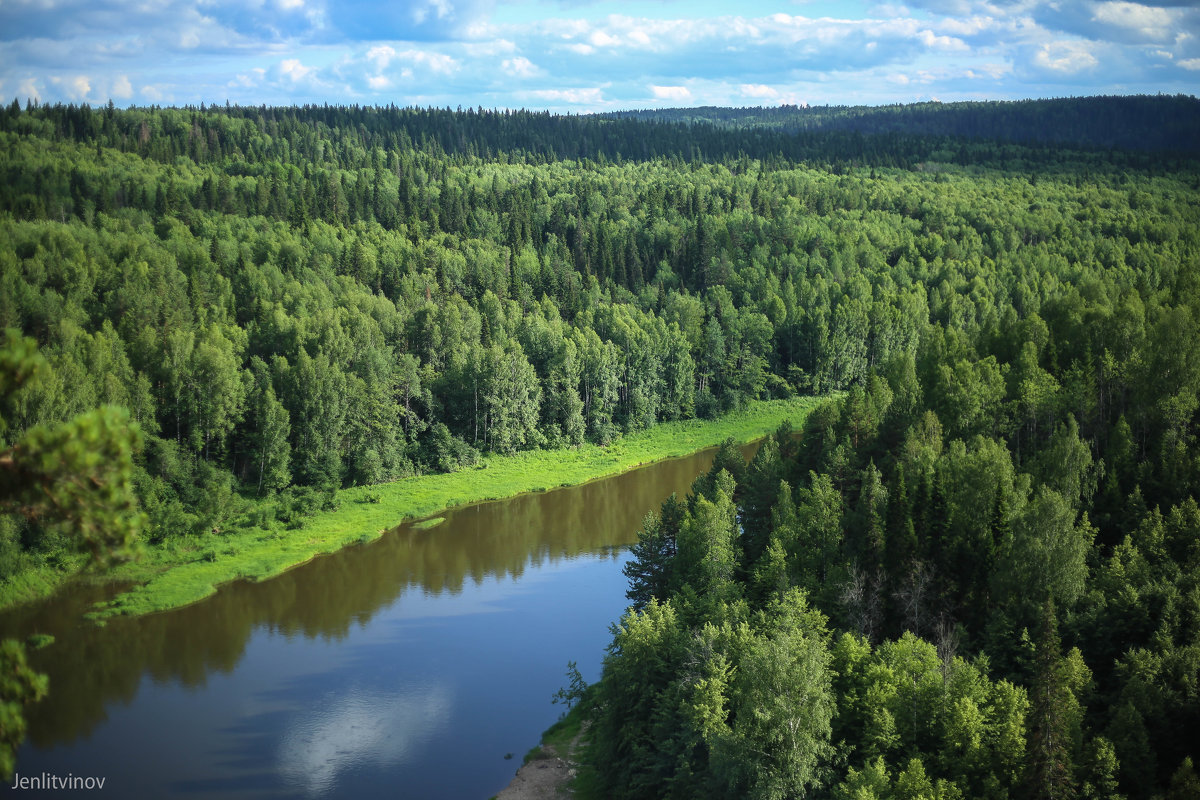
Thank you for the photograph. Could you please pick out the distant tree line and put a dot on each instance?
(1144, 122)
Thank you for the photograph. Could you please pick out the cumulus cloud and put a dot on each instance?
(589, 96)
(381, 56)
(246, 80)
(122, 89)
(1145, 22)
(758, 90)
(603, 39)
(675, 93)
(1067, 58)
(291, 69)
(944, 43)
(433, 61)
(519, 67)
(77, 87)
(28, 89)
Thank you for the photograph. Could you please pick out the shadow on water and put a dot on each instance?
(351, 705)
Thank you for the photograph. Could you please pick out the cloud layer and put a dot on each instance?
(578, 56)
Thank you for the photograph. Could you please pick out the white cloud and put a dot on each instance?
(969, 26)
(1066, 58)
(1190, 63)
(386, 66)
(381, 56)
(290, 5)
(435, 62)
(993, 71)
(603, 39)
(891, 10)
(122, 89)
(945, 43)
(561, 28)
(246, 80)
(1157, 24)
(28, 89)
(440, 9)
(676, 93)
(638, 37)
(519, 67)
(77, 87)
(152, 93)
(293, 70)
(758, 90)
(581, 96)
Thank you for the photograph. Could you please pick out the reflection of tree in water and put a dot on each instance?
(91, 667)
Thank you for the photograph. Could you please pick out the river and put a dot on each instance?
(408, 667)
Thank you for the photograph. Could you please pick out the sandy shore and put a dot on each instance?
(546, 776)
(540, 779)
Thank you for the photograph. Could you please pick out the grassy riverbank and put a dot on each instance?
(187, 570)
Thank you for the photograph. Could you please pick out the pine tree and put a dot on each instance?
(650, 567)
(1051, 770)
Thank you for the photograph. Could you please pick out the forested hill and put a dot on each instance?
(977, 573)
(1163, 123)
(342, 134)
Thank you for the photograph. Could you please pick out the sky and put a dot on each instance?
(582, 56)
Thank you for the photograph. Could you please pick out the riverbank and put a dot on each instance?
(186, 570)
(553, 769)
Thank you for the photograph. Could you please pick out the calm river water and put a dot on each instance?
(404, 668)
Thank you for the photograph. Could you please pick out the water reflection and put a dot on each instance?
(416, 654)
(358, 729)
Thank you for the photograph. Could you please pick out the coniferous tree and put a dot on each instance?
(1051, 767)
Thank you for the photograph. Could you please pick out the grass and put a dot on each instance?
(37, 582)
(37, 641)
(187, 570)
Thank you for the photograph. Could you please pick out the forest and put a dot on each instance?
(1132, 122)
(972, 574)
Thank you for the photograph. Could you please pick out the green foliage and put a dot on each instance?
(782, 702)
(288, 301)
(19, 686)
(75, 476)
(575, 692)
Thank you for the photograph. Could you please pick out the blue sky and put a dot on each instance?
(580, 56)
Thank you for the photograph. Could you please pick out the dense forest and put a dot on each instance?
(1136, 122)
(973, 574)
